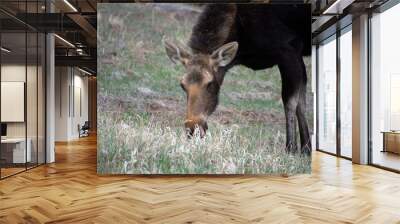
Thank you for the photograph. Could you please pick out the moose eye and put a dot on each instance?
(210, 85)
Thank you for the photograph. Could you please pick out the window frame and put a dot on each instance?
(381, 9)
(336, 35)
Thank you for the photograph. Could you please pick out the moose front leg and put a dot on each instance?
(291, 69)
(301, 115)
(290, 102)
(303, 127)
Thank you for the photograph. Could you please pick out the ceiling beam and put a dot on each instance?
(86, 27)
(78, 61)
(49, 22)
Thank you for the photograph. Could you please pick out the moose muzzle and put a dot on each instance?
(193, 125)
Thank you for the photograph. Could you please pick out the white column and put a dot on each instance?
(50, 110)
(62, 103)
(50, 93)
(360, 90)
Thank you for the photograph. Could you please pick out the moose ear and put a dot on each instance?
(225, 54)
(176, 52)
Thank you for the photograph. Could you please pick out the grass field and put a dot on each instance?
(141, 107)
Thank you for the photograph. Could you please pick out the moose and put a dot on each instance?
(258, 36)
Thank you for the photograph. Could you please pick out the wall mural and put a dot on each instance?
(204, 89)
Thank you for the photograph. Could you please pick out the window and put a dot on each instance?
(22, 77)
(335, 137)
(385, 88)
(327, 96)
(346, 95)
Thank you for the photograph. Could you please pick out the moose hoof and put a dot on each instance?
(291, 149)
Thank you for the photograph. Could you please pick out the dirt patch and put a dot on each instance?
(146, 92)
(266, 86)
(226, 115)
(171, 108)
(251, 96)
(148, 101)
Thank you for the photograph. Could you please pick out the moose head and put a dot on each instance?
(201, 82)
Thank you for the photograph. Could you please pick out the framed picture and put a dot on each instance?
(204, 88)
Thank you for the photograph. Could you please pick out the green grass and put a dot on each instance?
(141, 105)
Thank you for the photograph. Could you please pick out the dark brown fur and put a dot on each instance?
(258, 36)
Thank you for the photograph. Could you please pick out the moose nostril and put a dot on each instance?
(194, 126)
(189, 132)
(205, 126)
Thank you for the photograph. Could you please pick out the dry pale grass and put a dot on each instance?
(145, 146)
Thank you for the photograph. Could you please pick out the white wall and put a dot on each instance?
(10, 73)
(13, 101)
(62, 81)
(79, 117)
(70, 83)
(33, 126)
(17, 73)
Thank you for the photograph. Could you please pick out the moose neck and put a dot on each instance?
(215, 26)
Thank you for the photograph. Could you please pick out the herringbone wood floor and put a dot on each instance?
(69, 191)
